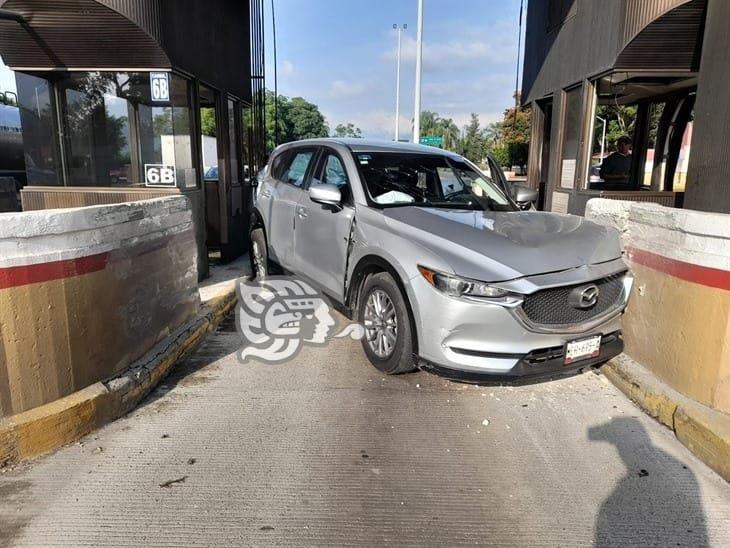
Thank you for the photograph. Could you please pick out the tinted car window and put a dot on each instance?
(297, 168)
(278, 164)
(333, 172)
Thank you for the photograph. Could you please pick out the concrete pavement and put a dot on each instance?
(325, 451)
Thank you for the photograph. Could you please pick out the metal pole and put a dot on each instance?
(276, 87)
(397, 87)
(419, 55)
(603, 137)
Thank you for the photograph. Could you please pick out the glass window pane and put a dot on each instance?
(571, 136)
(245, 120)
(42, 164)
(209, 133)
(334, 172)
(233, 143)
(113, 128)
(611, 154)
(96, 128)
(298, 168)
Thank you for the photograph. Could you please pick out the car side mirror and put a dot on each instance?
(524, 196)
(326, 194)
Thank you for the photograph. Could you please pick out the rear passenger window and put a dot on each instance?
(277, 165)
(297, 168)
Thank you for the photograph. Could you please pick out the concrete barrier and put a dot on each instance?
(677, 324)
(85, 292)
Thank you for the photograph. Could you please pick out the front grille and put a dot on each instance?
(551, 306)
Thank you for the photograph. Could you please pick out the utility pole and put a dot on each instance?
(419, 56)
(397, 83)
(276, 87)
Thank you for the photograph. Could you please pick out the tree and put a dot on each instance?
(474, 145)
(298, 119)
(515, 135)
(620, 120)
(348, 130)
(8, 99)
(433, 125)
(207, 121)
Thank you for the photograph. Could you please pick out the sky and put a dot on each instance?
(341, 55)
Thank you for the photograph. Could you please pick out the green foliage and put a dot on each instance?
(514, 135)
(508, 141)
(117, 129)
(207, 121)
(8, 99)
(474, 145)
(298, 119)
(620, 120)
(501, 155)
(348, 130)
(433, 125)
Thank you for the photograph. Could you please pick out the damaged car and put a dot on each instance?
(439, 260)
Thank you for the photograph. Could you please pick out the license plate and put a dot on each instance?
(582, 349)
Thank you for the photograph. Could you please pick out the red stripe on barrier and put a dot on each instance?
(15, 276)
(703, 275)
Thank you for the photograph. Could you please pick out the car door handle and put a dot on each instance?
(266, 194)
(301, 212)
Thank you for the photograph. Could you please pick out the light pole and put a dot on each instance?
(397, 83)
(419, 55)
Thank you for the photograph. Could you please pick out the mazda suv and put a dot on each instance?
(437, 260)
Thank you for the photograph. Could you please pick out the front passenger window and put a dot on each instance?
(334, 172)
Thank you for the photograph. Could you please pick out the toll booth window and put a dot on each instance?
(571, 136)
(165, 131)
(42, 165)
(116, 126)
(610, 166)
(209, 134)
(233, 149)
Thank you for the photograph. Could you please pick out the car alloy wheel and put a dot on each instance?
(259, 261)
(259, 254)
(381, 324)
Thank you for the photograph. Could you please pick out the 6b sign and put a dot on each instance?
(159, 87)
(159, 175)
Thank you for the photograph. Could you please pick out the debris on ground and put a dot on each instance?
(97, 450)
(163, 436)
(485, 422)
(266, 528)
(170, 483)
(643, 473)
(191, 461)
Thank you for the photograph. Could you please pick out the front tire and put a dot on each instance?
(259, 254)
(383, 311)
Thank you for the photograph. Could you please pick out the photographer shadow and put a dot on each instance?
(657, 502)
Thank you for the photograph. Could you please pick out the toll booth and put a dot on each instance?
(126, 100)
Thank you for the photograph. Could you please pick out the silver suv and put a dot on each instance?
(438, 262)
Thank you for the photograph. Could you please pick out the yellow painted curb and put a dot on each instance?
(50, 426)
(707, 434)
(704, 431)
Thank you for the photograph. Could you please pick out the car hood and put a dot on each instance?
(503, 245)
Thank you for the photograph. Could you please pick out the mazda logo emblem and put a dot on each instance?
(584, 297)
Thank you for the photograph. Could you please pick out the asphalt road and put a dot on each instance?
(323, 450)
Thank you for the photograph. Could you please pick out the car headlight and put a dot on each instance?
(456, 286)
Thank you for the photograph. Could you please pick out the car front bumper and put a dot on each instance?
(471, 340)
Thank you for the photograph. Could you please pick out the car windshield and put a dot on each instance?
(428, 180)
